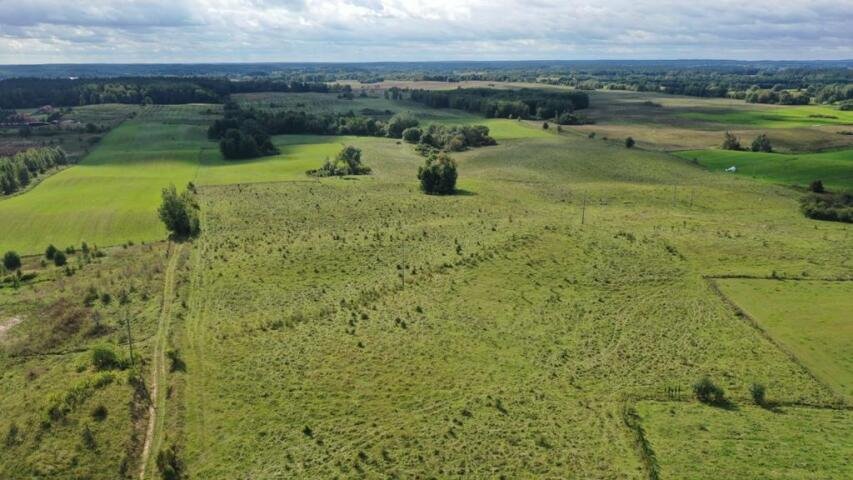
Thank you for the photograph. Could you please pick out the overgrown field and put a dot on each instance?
(360, 328)
(65, 415)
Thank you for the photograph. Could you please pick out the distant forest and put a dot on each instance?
(789, 83)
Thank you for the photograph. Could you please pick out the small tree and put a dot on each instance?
(179, 213)
(170, 466)
(12, 261)
(399, 123)
(50, 251)
(730, 142)
(412, 134)
(629, 142)
(438, 175)
(758, 391)
(105, 358)
(545, 125)
(816, 186)
(761, 144)
(59, 259)
(707, 392)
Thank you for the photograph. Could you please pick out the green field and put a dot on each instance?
(698, 442)
(781, 117)
(819, 335)
(834, 168)
(357, 328)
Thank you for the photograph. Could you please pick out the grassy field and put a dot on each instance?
(479, 335)
(693, 441)
(357, 328)
(46, 363)
(821, 335)
(778, 117)
(835, 168)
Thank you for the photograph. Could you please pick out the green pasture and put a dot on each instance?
(834, 168)
(810, 318)
(782, 117)
(700, 442)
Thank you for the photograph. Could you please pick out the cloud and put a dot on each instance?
(370, 30)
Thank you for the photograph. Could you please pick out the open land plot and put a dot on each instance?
(819, 333)
(834, 168)
(694, 441)
(360, 327)
(63, 416)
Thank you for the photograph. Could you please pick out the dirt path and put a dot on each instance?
(157, 408)
(8, 324)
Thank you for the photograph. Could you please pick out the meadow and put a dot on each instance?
(547, 321)
(834, 168)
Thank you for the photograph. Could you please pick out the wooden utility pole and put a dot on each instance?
(583, 210)
(129, 337)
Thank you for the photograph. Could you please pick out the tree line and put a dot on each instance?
(29, 92)
(494, 103)
(17, 171)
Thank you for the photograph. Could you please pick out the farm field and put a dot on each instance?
(834, 168)
(696, 442)
(821, 338)
(547, 321)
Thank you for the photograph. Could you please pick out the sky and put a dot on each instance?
(192, 31)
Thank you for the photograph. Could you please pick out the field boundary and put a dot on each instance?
(756, 325)
(644, 449)
(157, 406)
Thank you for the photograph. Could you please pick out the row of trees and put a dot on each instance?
(760, 144)
(454, 138)
(494, 103)
(17, 171)
(346, 162)
(28, 92)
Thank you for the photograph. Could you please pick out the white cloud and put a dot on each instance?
(368, 30)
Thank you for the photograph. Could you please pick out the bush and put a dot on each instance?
(412, 134)
(828, 206)
(816, 186)
(730, 142)
(707, 392)
(179, 213)
(761, 144)
(399, 123)
(757, 391)
(99, 413)
(169, 465)
(105, 358)
(50, 251)
(629, 142)
(12, 261)
(88, 438)
(59, 259)
(544, 125)
(438, 175)
(347, 162)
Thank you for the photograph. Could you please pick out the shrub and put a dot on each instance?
(88, 438)
(105, 358)
(179, 213)
(544, 125)
(438, 175)
(169, 465)
(629, 142)
(399, 123)
(707, 392)
(757, 391)
(12, 261)
(816, 186)
(761, 144)
(50, 251)
(347, 162)
(730, 142)
(828, 206)
(59, 259)
(412, 135)
(99, 413)
(12, 435)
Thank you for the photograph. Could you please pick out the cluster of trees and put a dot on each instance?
(455, 138)
(240, 135)
(438, 174)
(777, 95)
(822, 205)
(346, 162)
(179, 212)
(17, 171)
(760, 144)
(494, 103)
(28, 92)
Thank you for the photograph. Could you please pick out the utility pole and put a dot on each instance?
(583, 210)
(129, 337)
